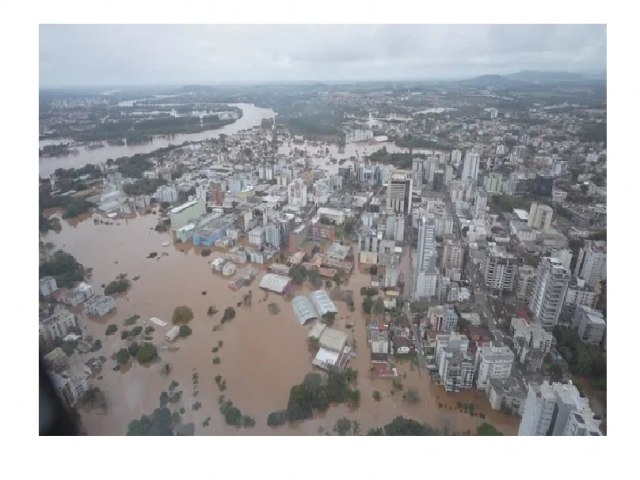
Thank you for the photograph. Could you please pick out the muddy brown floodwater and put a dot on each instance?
(262, 356)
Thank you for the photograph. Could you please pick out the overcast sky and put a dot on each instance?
(72, 55)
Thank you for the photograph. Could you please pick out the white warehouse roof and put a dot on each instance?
(332, 339)
(303, 309)
(322, 302)
(275, 283)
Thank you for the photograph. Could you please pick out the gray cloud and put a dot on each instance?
(176, 54)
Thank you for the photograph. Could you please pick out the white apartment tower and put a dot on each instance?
(426, 248)
(426, 276)
(492, 361)
(549, 290)
(471, 166)
(297, 193)
(480, 203)
(592, 262)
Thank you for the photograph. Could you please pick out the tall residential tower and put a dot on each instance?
(549, 290)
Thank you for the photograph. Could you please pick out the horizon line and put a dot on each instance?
(307, 81)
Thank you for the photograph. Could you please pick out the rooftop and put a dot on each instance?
(333, 339)
(183, 207)
(322, 302)
(274, 282)
(303, 309)
(317, 330)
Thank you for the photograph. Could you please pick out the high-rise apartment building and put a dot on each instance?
(540, 216)
(418, 173)
(455, 365)
(531, 343)
(549, 290)
(592, 262)
(297, 193)
(456, 157)
(452, 254)
(399, 191)
(425, 282)
(524, 282)
(499, 268)
(471, 166)
(480, 206)
(492, 361)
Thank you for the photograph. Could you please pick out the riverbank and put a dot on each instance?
(251, 116)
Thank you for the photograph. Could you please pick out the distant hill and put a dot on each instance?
(484, 81)
(536, 76)
(531, 77)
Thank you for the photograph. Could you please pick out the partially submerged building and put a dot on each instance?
(275, 283)
(100, 305)
(312, 306)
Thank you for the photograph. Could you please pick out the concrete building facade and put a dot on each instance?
(550, 411)
(592, 262)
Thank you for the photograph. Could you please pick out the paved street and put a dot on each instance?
(418, 343)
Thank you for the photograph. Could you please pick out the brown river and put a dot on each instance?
(262, 355)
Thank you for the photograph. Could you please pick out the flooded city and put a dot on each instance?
(262, 355)
(321, 256)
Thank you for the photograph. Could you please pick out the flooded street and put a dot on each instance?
(262, 356)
